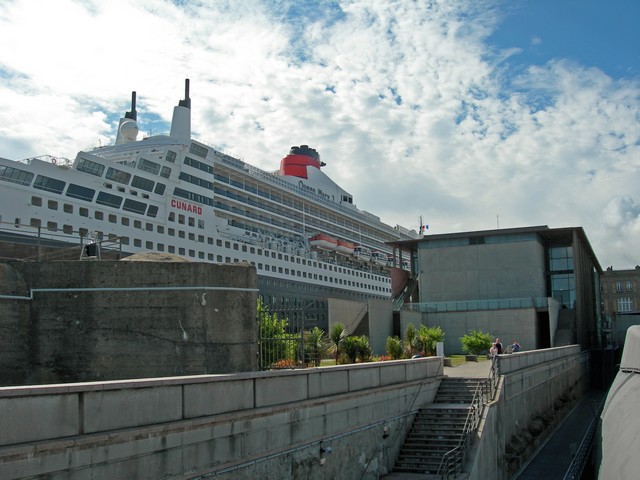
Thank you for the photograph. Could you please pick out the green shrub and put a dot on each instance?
(394, 348)
(350, 348)
(476, 342)
(427, 339)
(364, 349)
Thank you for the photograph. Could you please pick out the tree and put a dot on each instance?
(394, 348)
(275, 342)
(315, 345)
(410, 336)
(476, 342)
(337, 336)
(364, 349)
(427, 339)
(350, 348)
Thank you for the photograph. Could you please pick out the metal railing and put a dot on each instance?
(574, 472)
(452, 461)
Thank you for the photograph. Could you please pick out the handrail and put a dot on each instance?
(578, 463)
(494, 376)
(449, 463)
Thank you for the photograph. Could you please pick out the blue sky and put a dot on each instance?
(468, 113)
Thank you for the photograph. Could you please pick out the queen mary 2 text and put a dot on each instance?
(187, 207)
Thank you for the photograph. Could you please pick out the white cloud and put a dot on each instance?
(407, 105)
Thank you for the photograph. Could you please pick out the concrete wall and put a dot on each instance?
(536, 390)
(104, 320)
(487, 271)
(253, 425)
(515, 324)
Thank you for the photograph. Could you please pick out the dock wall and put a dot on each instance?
(331, 422)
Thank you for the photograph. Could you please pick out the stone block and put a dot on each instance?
(131, 407)
(215, 397)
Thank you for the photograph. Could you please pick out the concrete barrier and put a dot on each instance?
(161, 428)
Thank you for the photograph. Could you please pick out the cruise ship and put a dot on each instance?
(169, 193)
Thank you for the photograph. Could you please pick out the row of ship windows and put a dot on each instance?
(68, 229)
(183, 220)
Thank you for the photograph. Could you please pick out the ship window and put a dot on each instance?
(196, 180)
(165, 172)
(181, 219)
(84, 212)
(219, 258)
(149, 227)
(273, 254)
(210, 257)
(172, 232)
(118, 176)
(134, 206)
(148, 166)
(227, 259)
(192, 222)
(67, 229)
(35, 222)
(53, 226)
(125, 221)
(201, 255)
(178, 192)
(160, 188)
(137, 242)
(267, 268)
(171, 156)
(227, 244)
(15, 175)
(172, 249)
(198, 150)
(36, 201)
(160, 228)
(142, 183)
(80, 192)
(199, 165)
(210, 240)
(98, 215)
(87, 166)
(192, 237)
(181, 233)
(152, 211)
(148, 245)
(109, 200)
(109, 186)
(172, 216)
(259, 266)
(219, 242)
(160, 247)
(201, 238)
(235, 246)
(244, 248)
(48, 184)
(113, 218)
(67, 207)
(181, 251)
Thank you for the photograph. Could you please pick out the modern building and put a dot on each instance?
(538, 285)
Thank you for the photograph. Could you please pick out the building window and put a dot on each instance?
(618, 287)
(628, 286)
(625, 305)
(560, 259)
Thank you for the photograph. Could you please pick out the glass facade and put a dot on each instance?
(563, 285)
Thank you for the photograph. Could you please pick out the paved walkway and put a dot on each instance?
(553, 458)
(479, 369)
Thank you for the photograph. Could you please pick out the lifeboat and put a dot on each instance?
(379, 258)
(320, 240)
(362, 253)
(344, 247)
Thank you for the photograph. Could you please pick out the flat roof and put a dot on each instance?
(565, 235)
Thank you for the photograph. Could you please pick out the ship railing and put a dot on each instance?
(63, 161)
(54, 243)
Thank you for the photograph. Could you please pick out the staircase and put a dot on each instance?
(438, 428)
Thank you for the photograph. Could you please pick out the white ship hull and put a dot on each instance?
(175, 195)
